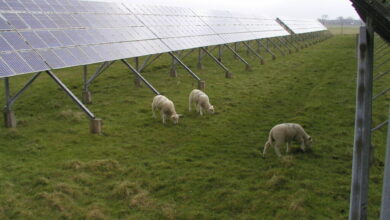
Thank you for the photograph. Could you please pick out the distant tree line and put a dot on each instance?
(340, 21)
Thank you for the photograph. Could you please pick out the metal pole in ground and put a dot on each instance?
(385, 210)
(362, 139)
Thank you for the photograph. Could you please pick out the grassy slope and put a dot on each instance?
(204, 168)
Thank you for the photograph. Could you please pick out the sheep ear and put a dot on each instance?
(180, 115)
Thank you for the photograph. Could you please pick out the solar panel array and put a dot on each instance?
(179, 28)
(235, 27)
(38, 35)
(301, 26)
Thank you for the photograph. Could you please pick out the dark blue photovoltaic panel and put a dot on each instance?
(44, 6)
(31, 21)
(33, 39)
(4, 6)
(15, 20)
(48, 38)
(4, 25)
(34, 60)
(92, 53)
(81, 19)
(72, 21)
(77, 37)
(52, 59)
(66, 56)
(4, 45)
(5, 70)
(56, 6)
(46, 21)
(60, 22)
(63, 38)
(80, 55)
(16, 63)
(16, 5)
(29, 5)
(15, 40)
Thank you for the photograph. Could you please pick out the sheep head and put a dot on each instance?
(211, 109)
(175, 118)
(308, 141)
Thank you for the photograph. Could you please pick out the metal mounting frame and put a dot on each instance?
(247, 65)
(254, 52)
(228, 74)
(10, 120)
(138, 74)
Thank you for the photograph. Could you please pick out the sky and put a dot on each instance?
(283, 8)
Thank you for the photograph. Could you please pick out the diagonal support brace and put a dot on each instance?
(254, 52)
(228, 74)
(140, 76)
(247, 66)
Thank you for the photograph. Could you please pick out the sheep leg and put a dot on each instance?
(266, 146)
(200, 110)
(277, 149)
(197, 107)
(163, 117)
(303, 145)
(189, 105)
(288, 148)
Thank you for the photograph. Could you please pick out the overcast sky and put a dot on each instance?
(289, 8)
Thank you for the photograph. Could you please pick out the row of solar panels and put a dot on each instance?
(37, 35)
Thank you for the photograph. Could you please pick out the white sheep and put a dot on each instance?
(285, 133)
(166, 108)
(201, 101)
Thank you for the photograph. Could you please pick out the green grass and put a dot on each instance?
(339, 30)
(204, 168)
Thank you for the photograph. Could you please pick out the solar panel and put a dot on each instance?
(300, 26)
(179, 28)
(235, 27)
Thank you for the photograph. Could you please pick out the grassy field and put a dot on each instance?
(337, 30)
(204, 168)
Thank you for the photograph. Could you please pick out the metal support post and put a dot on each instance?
(70, 94)
(95, 123)
(147, 62)
(228, 74)
(385, 211)
(254, 52)
(183, 56)
(220, 51)
(268, 50)
(87, 97)
(291, 42)
(9, 116)
(200, 56)
(236, 50)
(363, 121)
(201, 84)
(137, 80)
(127, 64)
(275, 46)
(248, 51)
(247, 66)
(258, 46)
(98, 71)
(284, 44)
(173, 67)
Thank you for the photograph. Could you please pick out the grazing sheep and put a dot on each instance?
(166, 108)
(201, 101)
(285, 133)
